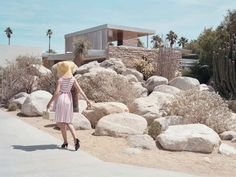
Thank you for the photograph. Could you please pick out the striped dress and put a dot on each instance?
(64, 103)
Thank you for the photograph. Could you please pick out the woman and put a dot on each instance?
(63, 102)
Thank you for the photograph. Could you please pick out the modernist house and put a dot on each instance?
(100, 37)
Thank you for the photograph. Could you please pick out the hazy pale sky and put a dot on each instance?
(30, 19)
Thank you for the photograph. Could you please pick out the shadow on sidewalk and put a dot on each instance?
(35, 147)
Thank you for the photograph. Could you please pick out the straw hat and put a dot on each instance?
(64, 69)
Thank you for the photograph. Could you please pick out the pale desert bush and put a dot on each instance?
(145, 66)
(104, 87)
(201, 107)
(18, 77)
(47, 82)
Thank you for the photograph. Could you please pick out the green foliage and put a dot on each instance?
(145, 66)
(224, 69)
(200, 72)
(157, 41)
(140, 43)
(154, 129)
(171, 37)
(182, 41)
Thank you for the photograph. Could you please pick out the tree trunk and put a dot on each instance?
(49, 49)
(79, 60)
(9, 41)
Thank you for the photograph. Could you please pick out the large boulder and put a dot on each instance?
(40, 70)
(114, 64)
(185, 83)
(134, 72)
(100, 110)
(138, 88)
(226, 149)
(161, 124)
(131, 78)
(191, 137)
(150, 107)
(86, 67)
(36, 103)
(154, 81)
(19, 99)
(166, 89)
(80, 122)
(98, 70)
(141, 141)
(228, 135)
(121, 125)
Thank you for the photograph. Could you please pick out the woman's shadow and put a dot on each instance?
(31, 148)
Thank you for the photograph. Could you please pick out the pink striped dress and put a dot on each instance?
(64, 103)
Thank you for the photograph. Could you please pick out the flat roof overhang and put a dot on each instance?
(128, 32)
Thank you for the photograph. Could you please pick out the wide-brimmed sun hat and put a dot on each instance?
(64, 69)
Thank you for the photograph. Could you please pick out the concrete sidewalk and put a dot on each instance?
(25, 151)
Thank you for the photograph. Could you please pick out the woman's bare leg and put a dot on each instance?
(72, 131)
(62, 127)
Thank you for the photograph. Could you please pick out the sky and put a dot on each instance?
(30, 19)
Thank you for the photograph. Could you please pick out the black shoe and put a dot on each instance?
(64, 145)
(77, 145)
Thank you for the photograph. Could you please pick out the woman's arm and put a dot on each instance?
(55, 95)
(79, 89)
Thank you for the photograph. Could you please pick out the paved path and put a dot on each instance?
(26, 151)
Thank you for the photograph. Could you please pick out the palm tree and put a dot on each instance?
(157, 41)
(81, 47)
(171, 37)
(49, 34)
(8, 32)
(182, 41)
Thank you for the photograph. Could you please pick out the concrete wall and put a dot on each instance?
(11, 52)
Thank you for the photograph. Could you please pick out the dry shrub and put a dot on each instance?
(18, 77)
(201, 107)
(154, 129)
(104, 87)
(145, 66)
(168, 63)
(47, 83)
(13, 107)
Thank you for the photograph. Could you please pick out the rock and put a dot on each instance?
(141, 141)
(203, 87)
(166, 89)
(98, 70)
(185, 83)
(191, 137)
(86, 67)
(82, 106)
(36, 103)
(131, 78)
(161, 124)
(232, 105)
(80, 122)
(233, 140)
(114, 64)
(132, 151)
(154, 81)
(228, 135)
(139, 89)
(150, 107)
(40, 70)
(227, 149)
(121, 125)
(134, 72)
(19, 99)
(100, 110)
